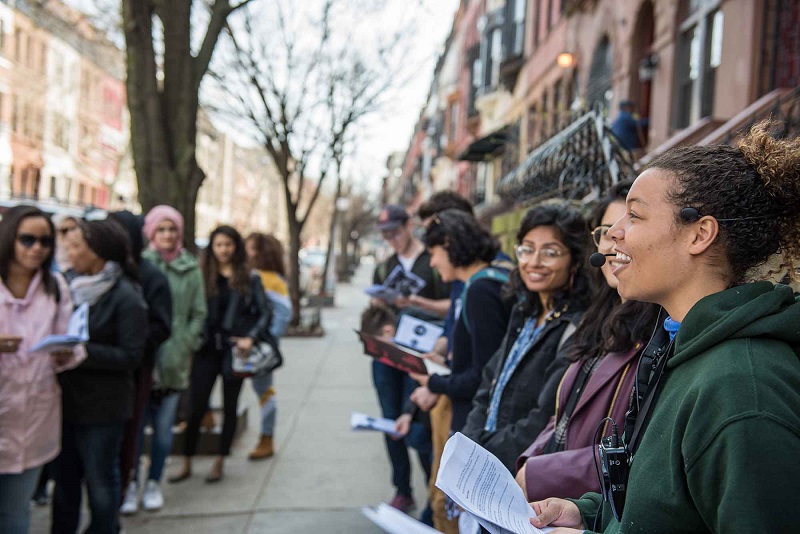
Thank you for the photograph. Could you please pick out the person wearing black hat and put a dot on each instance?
(424, 295)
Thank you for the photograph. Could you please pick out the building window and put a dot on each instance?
(598, 90)
(516, 35)
(17, 44)
(53, 190)
(81, 194)
(452, 124)
(698, 55)
(473, 58)
(533, 120)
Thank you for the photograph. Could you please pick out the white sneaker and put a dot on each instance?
(130, 505)
(152, 499)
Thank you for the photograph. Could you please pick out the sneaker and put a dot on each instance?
(152, 499)
(404, 503)
(130, 504)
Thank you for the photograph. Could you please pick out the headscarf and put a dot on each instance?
(156, 216)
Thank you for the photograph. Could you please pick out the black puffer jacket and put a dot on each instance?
(100, 390)
(529, 398)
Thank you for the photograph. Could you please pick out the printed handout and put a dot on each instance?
(77, 332)
(362, 421)
(480, 484)
(394, 521)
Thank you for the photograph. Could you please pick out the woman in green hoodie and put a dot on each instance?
(716, 449)
(163, 227)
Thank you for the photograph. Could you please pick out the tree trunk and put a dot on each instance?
(294, 266)
(334, 220)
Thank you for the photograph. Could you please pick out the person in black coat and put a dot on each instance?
(239, 316)
(518, 388)
(98, 395)
(155, 288)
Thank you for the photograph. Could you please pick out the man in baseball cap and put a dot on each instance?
(391, 217)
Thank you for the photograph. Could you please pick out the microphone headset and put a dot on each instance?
(688, 215)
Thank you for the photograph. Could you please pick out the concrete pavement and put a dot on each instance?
(322, 473)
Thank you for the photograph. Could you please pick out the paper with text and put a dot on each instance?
(480, 484)
(362, 421)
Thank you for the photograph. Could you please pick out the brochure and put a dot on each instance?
(406, 360)
(417, 334)
(394, 521)
(77, 332)
(362, 421)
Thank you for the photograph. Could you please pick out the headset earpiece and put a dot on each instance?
(689, 215)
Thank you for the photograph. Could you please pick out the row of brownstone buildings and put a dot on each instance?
(508, 112)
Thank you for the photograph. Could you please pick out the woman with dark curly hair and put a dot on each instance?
(462, 250)
(714, 431)
(238, 317)
(518, 388)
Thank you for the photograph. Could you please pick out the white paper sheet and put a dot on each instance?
(480, 484)
(362, 421)
(77, 332)
(394, 521)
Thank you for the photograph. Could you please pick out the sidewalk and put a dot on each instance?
(322, 473)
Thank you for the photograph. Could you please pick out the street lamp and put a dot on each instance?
(565, 60)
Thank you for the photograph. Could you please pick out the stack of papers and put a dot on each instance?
(77, 332)
(480, 484)
(362, 421)
(394, 521)
(417, 334)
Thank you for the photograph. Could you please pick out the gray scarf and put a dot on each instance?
(90, 288)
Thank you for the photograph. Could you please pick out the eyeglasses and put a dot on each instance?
(28, 240)
(547, 255)
(599, 233)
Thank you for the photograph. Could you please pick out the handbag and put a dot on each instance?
(262, 359)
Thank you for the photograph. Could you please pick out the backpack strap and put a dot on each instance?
(498, 275)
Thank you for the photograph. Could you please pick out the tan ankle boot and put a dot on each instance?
(264, 449)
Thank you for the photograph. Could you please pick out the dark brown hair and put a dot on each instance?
(609, 325)
(8, 237)
(374, 318)
(464, 239)
(111, 242)
(240, 281)
(757, 184)
(269, 253)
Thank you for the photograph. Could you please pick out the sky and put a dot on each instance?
(391, 129)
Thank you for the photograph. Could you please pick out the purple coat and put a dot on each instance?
(571, 473)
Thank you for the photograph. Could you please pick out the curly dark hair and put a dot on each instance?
(240, 281)
(757, 184)
(443, 200)
(609, 325)
(269, 253)
(574, 233)
(8, 237)
(464, 239)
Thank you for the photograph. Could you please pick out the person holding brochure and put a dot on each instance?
(461, 250)
(98, 395)
(598, 382)
(518, 388)
(34, 303)
(715, 428)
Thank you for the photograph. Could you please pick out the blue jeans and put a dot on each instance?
(90, 454)
(394, 389)
(160, 415)
(16, 491)
(262, 385)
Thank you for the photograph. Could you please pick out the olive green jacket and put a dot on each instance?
(189, 312)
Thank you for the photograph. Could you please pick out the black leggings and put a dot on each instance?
(207, 365)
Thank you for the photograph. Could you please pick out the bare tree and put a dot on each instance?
(301, 89)
(163, 84)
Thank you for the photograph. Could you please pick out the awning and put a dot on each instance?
(486, 147)
(579, 163)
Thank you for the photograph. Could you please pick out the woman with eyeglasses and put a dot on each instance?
(239, 316)
(715, 433)
(98, 395)
(518, 388)
(598, 382)
(34, 303)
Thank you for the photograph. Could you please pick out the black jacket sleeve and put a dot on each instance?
(262, 306)
(487, 316)
(476, 420)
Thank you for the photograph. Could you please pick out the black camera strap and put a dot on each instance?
(653, 390)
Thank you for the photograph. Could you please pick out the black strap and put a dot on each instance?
(654, 388)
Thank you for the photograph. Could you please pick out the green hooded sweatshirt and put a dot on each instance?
(189, 312)
(722, 450)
